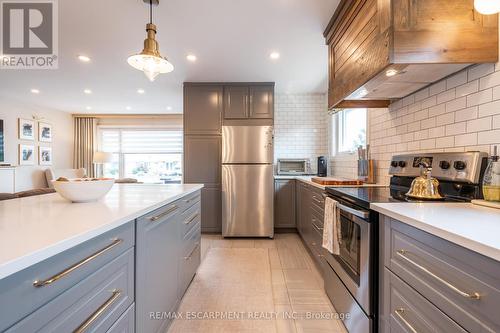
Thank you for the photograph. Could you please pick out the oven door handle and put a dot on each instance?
(358, 213)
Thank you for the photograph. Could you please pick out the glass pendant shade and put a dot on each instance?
(150, 60)
(487, 7)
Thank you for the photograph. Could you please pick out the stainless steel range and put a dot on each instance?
(351, 278)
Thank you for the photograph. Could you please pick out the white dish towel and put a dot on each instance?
(331, 229)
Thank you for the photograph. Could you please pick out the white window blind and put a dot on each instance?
(141, 141)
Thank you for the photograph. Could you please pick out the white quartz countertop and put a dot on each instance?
(308, 180)
(470, 226)
(35, 228)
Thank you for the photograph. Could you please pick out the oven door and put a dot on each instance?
(353, 265)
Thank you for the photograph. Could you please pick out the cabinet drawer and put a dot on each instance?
(20, 296)
(188, 265)
(463, 284)
(191, 241)
(317, 244)
(318, 220)
(318, 201)
(190, 200)
(410, 312)
(93, 305)
(190, 219)
(126, 323)
(162, 214)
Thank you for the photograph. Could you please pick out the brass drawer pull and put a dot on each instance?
(399, 312)
(192, 218)
(93, 317)
(194, 250)
(79, 264)
(473, 295)
(159, 216)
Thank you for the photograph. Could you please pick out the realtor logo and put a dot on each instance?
(29, 38)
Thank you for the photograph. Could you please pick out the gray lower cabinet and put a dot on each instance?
(168, 242)
(463, 286)
(112, 283)
(284, 203)
(27, 293)
(202, 159)
(211, 209)
(158, 246)
(310, 218)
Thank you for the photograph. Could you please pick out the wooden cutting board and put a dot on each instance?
(335, 181)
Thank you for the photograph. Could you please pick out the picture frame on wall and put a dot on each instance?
(45, 155)
(26, 154)
(26, 129)
(44, 132)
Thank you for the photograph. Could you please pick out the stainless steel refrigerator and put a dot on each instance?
(247, 181)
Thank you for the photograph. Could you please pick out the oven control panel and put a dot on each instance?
(463, 167)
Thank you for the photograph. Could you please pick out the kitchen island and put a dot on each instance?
(101, 265)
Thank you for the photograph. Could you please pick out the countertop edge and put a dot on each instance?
(466, 243)
(14, 266)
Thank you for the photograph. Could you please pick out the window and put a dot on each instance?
(148, 155)
(350, 129)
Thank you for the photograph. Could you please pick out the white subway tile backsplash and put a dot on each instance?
(437, 88)
(481, 124)
(445, 119)
(446, 96)
(437, 110)
(436, 132)
(489, 109)
(496, 122)
(428, 123)
(489, 137)
(466, 114)
(468, 88)
(456, 104)
(455, 129)
(481, 97)
(489, 81)
(301, 126)
(478, 71)
(445, 142)
(456, 80)
(466, 139)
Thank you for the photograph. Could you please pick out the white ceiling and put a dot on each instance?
(231, 38)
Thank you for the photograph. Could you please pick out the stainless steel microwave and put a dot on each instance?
(294, 166)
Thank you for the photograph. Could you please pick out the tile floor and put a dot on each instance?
(266, 285)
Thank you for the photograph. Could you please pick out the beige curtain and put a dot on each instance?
(85, 143)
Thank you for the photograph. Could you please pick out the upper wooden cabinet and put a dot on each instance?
(418, 41)
(249, 102)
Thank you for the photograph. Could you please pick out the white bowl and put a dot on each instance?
(83, 190)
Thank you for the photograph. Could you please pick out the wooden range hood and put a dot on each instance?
(418, 41)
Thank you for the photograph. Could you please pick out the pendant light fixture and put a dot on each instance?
(487, 7)
(150, 60)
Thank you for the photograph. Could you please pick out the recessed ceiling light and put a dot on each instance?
(169, 108)
(274, 55)
(88, 108)
(87, 91)
(35, 91)
(83, 58)
(191, 57)
(128, 108)
(141, 91)
(391, 72)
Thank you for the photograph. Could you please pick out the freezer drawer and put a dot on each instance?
(247, 144)
(247, 200)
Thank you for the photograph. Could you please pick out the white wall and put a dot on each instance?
(29, 177)
(300, 125)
